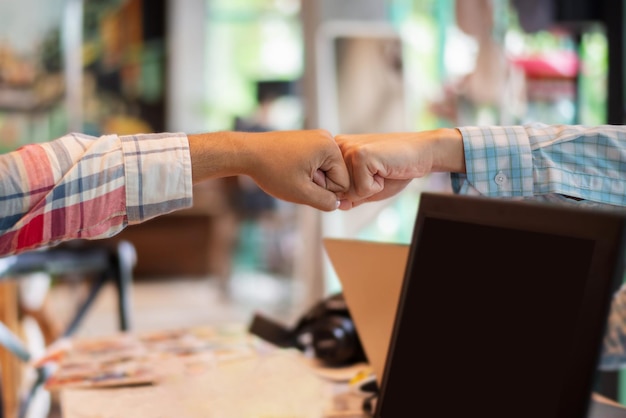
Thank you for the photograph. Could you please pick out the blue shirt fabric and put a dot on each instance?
(565, 164)
(546, 162)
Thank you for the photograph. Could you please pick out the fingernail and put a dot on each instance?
(338, 204)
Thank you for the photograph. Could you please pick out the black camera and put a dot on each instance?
(326, 330)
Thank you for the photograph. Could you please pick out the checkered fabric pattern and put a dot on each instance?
(80, 186)
(546, 162)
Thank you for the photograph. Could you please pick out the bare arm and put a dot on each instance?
(297, 166)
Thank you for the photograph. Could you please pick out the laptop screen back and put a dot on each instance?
(502, 310)
(371, 275)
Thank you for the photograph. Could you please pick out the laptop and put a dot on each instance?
(371, 275)
(502, 309)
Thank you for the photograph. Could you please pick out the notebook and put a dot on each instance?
(371, 275)
(502, 309)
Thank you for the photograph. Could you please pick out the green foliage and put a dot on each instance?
(593, 79)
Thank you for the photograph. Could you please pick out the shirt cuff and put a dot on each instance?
(498, 162)
(158, 174)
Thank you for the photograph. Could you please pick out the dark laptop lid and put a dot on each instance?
(502, 310)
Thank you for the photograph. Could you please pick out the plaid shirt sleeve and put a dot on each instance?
(545, 162)
(80, 186)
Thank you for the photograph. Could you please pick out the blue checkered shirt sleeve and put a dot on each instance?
(546, 162)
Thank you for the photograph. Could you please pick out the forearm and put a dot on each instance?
(84, 187)
(217, 154)
(301, 166)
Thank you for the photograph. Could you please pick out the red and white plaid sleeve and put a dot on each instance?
(80, 186)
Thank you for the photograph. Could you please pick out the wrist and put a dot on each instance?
(448, 151)
(214, 155)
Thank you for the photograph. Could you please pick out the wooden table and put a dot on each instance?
(200, 372)
(277, 385)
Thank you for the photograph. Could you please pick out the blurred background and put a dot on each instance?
(348, 66)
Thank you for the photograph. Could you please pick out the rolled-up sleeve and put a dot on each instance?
(498, 162)
(80, 186)
(544, 161)
(158, 175)
(588, 163)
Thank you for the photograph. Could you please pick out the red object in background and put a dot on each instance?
(556, 64)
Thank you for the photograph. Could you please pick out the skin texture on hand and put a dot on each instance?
(383, 164)
(303, 167)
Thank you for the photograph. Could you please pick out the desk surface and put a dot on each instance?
(203, 373)
(276, 385)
